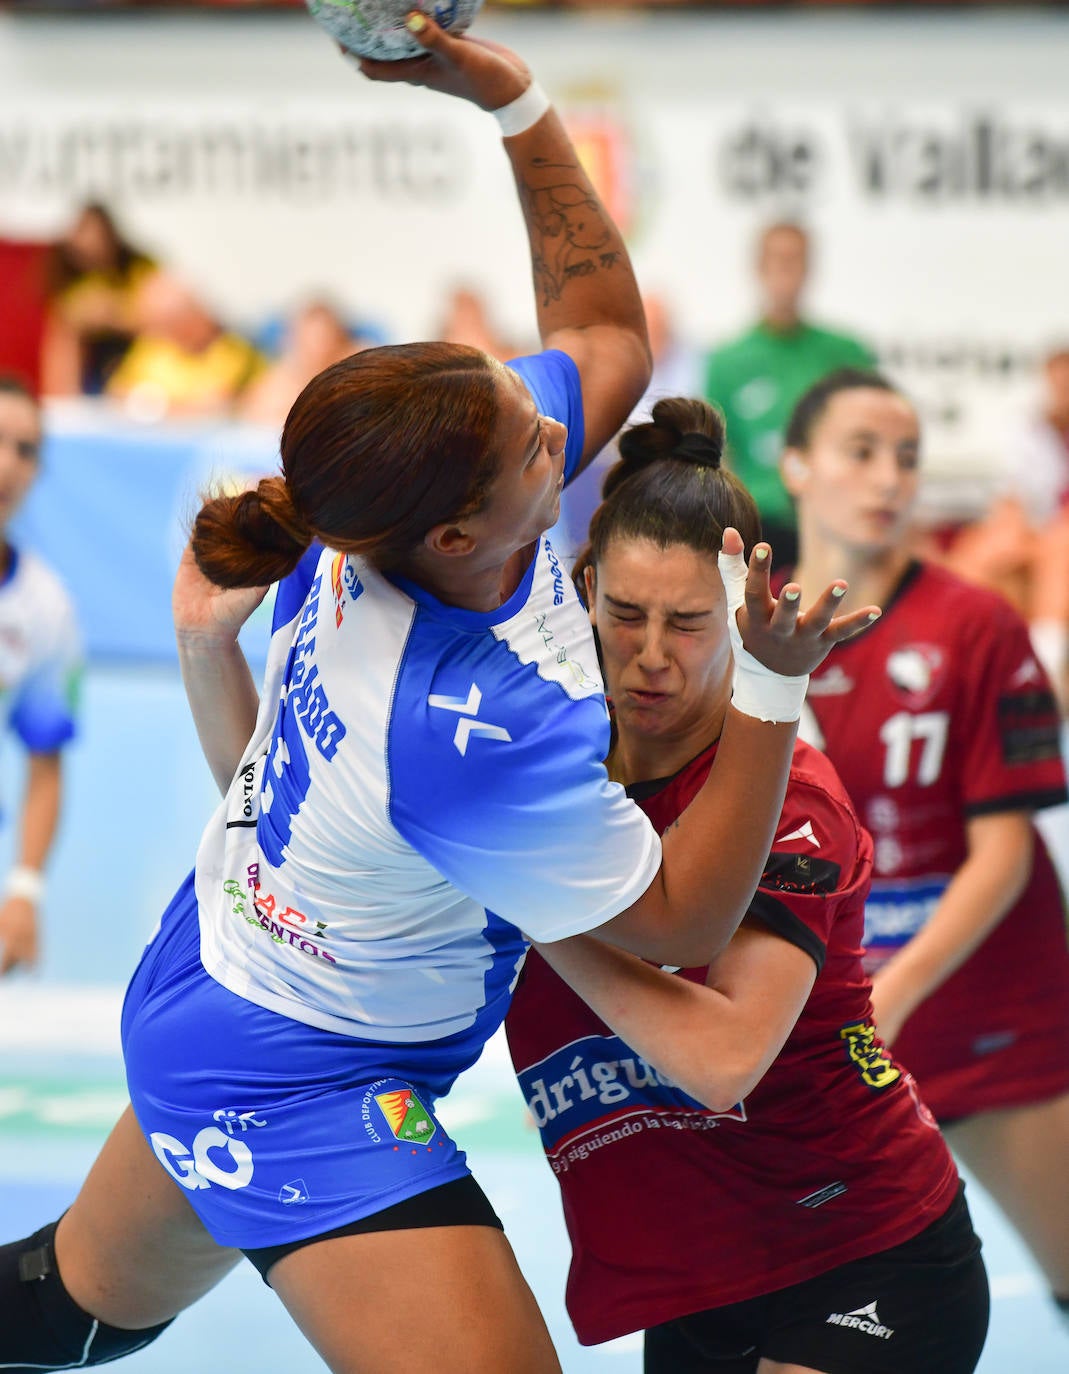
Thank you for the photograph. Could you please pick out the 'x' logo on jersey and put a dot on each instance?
(467, 726)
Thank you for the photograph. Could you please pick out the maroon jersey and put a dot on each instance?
(938, 713)
(673, 1208)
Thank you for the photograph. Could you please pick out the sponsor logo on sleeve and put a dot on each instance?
(1029, 726)
(803, 832)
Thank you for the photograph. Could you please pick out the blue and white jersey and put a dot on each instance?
(424, 784)
(40, 655)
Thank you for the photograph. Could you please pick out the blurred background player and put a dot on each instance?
(941, 722)
(40, 658)
(706, 1200)
(1021, 545)
(756, 378)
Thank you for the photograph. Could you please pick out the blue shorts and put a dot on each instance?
(276, 1130)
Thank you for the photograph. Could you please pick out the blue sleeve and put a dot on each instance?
(552, 378)
(43, 714)
(43, 717)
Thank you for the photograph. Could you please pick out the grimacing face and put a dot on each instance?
(857, 479)
(661, 617)
(20, 447)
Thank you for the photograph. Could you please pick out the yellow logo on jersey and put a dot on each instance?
(871, 1060)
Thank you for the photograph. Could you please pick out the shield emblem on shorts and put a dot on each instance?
(406, 1116)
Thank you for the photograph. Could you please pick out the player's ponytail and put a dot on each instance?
(251, 538)
(669, 486)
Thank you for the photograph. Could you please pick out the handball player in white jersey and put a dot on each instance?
(944, 729)
(419, 788)
(40, 667)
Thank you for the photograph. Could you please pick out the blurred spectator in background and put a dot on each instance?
(182, 360)
(465, 319)
(676, 363)
(95, 276)
(1021, 546)
(676, 372)
(1039, 468)
(756, 378)
(1038, 481)
(316, 336)
(40, 654)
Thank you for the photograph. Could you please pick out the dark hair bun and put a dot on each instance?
(680, 427)
(699, 449)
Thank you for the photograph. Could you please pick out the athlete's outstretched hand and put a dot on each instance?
(202, 611)
(486, 74)
(776, 631)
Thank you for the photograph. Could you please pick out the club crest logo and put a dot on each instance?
(917, 672)
(406, 1116)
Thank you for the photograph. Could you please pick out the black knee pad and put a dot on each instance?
(41, 1326)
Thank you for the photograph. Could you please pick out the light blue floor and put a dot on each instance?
(139, 794)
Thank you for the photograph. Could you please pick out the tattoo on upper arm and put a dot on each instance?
(571, 235)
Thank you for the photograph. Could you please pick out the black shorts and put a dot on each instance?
(919, 1308)
(460, 1202)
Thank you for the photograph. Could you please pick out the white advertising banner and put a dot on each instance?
(930, 157)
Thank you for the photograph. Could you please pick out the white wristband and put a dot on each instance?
(766, 695)
(758, 691)
(522, 113)
(26, 882)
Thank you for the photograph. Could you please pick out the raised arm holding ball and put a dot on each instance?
(418, 788)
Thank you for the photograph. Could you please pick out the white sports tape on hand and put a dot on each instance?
(26, 882)
(758, 691)
(522, 113)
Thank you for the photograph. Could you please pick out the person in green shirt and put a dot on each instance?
(756, 377)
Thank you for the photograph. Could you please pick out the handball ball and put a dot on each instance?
(376, 28)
